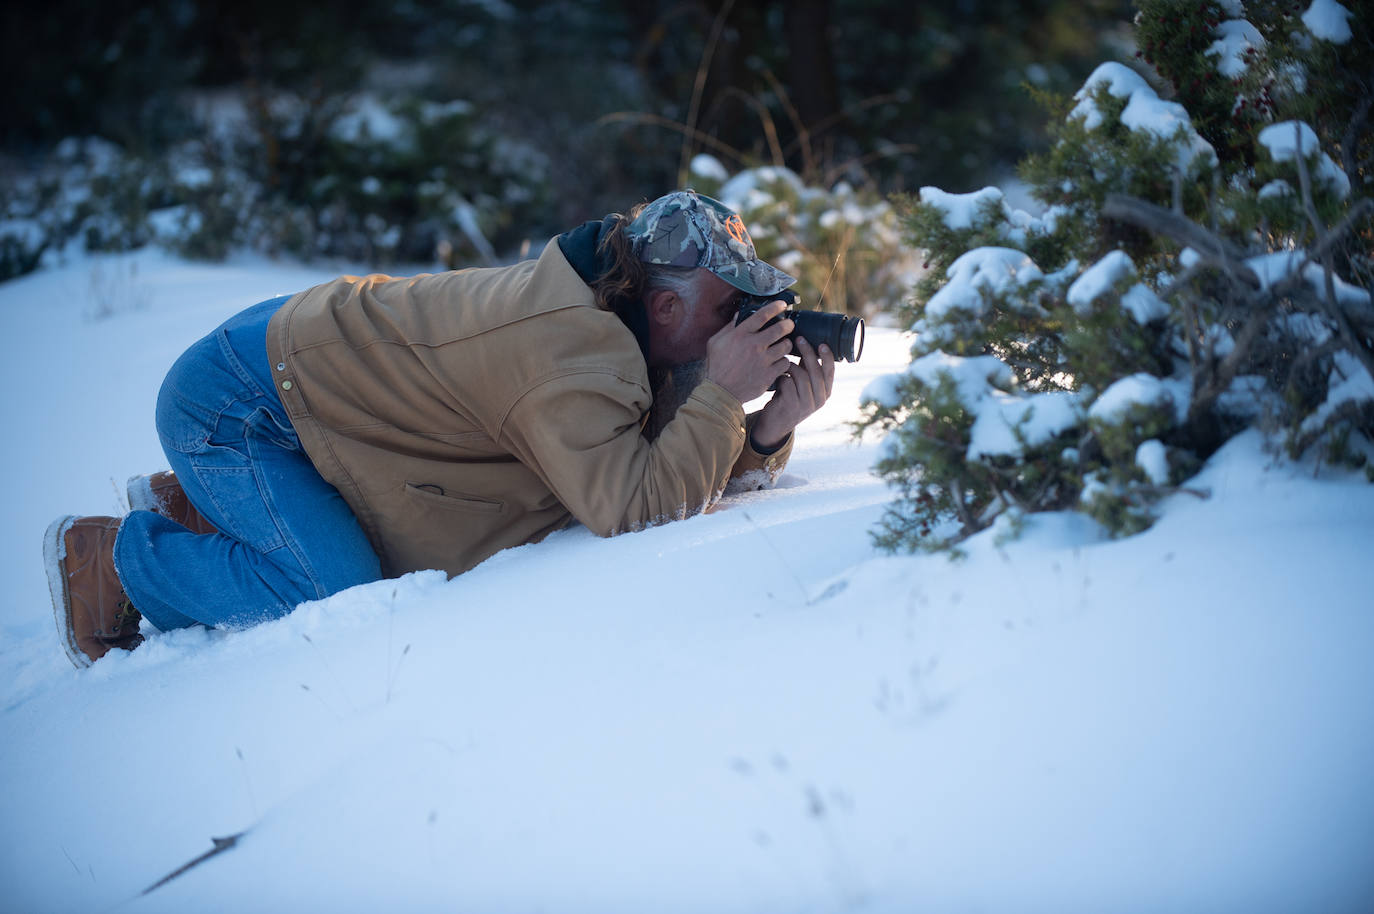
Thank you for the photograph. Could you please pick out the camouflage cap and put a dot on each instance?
(688, 229)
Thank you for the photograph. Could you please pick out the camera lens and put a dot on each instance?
(843, 334)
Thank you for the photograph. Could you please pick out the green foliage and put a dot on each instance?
(1177, 290)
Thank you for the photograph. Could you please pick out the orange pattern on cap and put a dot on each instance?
(735, 226)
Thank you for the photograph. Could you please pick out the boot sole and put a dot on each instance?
(54, 558)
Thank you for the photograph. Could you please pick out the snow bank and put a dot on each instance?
(749, 711)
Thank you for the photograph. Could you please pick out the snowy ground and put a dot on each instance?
(746, 711)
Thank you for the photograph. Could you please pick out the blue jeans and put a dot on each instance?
(286, 536)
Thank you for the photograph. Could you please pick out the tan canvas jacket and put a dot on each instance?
(462, 413)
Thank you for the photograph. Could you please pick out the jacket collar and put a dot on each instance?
(582, 249)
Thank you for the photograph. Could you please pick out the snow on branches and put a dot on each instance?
(1190, 278)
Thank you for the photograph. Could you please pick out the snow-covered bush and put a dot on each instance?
(407, 182)
(359, 179)
(844, 245)
(90, 193)
(1188, 278)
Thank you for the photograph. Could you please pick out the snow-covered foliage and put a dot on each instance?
(407, 181)
(1189, 278)
(844, 244)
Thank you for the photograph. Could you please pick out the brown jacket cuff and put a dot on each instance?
(755, 470)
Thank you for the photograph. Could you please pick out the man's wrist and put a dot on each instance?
(763, 449)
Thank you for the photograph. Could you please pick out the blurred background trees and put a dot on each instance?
(310, 127)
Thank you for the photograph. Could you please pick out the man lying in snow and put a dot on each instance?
(372, 426)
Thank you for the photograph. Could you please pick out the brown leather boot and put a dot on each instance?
(93, 613)
(162, 494)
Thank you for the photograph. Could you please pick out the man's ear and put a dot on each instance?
(662, 306)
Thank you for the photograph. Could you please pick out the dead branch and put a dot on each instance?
(656, 120)
(1262, 308)
(220, 846)
(1329, 302)
(1210, 246)
(699, 84)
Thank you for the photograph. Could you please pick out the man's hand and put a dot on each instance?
(803, 390)
(746, 358)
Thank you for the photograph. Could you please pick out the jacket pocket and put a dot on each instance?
(430, 494)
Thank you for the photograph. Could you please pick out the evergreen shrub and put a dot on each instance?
(1202, 266)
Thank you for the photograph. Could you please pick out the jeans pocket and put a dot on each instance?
(243, 510)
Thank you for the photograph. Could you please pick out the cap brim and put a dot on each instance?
(755, 277)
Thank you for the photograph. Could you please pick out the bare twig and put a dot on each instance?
(826, 123)
(770, 130)
(656, 120)
(1329, 302)
(803, 135)
(699, 84)
(961, 507)
(1210, 246)
(1351, 138)
(1262, 308)
(221, 845)
(1305, 182)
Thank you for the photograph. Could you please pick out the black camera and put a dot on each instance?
(842, 333)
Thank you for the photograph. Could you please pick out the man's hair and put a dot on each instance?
(629, 280)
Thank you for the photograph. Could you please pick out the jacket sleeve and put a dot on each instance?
(580, 432)
(754, 470)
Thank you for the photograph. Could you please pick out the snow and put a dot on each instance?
(1145, 111)
(1234, 38)
(971, 375)
(1349, 383)
(1008, 423)
(1099, 279)
(708, 166)
(1005, 422)
(1138, 389)
(960, 210)
(1144, 305)
(748, 189)
(370, 118)
(989, 269)
(1283, 141)
(1328, 20)
(1152, 457)
(1276, 188)
(751, 710)
(1276, 266)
